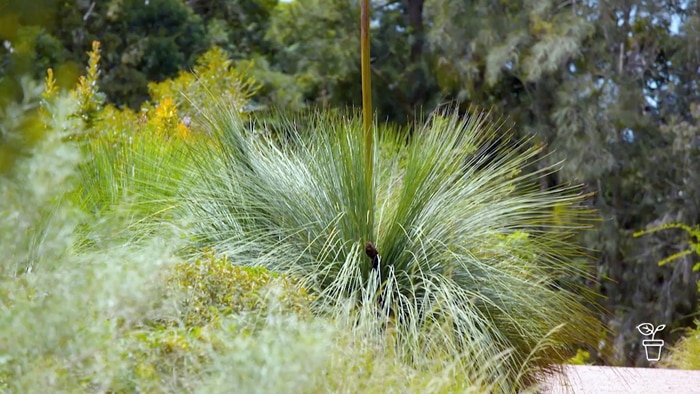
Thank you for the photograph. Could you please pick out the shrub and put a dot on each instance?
(214, 75)
(206, 302)
(211, 288)
(64, 312)
(137, 160)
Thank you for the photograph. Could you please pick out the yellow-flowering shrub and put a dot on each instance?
(141, 155)
(89, 97)
(174, 102)
(213, 76)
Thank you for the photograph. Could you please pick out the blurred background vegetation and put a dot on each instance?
(609, 86)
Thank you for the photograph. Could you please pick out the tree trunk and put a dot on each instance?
(414, 15)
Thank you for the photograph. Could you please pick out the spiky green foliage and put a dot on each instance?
(474, 257)
(135, 163)
(136, 176)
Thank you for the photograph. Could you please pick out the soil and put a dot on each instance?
(588, 379)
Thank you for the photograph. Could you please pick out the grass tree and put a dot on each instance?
(472, 257)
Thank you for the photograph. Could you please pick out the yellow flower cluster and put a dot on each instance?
(165, 121)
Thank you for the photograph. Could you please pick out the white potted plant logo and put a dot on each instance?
(652, 346)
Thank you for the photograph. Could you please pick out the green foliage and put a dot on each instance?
(473, 261)
(237, 26)
(125, 154)
(211, 299)
(686, 353)
(35, 221)
(277, 90)
(171, 35)
(582, 357)
(137, 162)
(62, 312)
(214, 75)
(20, 123)
(693, 236)
(318, 68)
(608, 87)
(142, 41)
(212, 288)
(135, 176)
(90, 99)
(469, 294)
(593, 81)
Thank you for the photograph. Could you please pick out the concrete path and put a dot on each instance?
(607, 380)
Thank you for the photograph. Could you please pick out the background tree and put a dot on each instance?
(238, 26)
(142, 40)
(317, 42)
